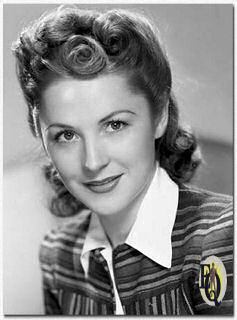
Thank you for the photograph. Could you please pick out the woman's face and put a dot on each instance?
(100, 137)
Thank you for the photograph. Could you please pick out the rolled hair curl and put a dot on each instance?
(85, 44)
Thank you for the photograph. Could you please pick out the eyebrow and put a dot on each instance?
(60, 125)
(65, 126)
(115, 113)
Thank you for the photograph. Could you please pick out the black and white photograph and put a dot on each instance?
(118, 159)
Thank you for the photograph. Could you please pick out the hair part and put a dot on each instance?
(69, 42)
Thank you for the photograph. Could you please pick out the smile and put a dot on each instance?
(105, 185)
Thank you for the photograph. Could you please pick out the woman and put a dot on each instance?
(99, 91)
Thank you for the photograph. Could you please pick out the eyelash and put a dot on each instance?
(116, 121)
(61, 133)
(107, 125)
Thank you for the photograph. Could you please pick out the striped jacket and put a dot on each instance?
(203, 227)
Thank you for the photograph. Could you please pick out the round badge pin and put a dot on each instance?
(212, 280)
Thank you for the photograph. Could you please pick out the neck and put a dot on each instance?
(118, 226)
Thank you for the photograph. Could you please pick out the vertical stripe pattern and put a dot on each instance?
(203, 227)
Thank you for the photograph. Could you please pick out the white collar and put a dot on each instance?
(151, 232)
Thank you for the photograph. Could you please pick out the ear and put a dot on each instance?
(161, 123)
(44, 146)
(43, 140)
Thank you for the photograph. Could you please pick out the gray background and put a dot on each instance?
(199, 42)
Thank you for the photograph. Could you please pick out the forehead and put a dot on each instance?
(67, 98)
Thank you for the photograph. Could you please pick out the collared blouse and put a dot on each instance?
(203, 227)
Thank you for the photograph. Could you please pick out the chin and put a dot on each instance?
(104, 209)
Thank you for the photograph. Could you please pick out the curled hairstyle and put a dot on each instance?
(85, 44)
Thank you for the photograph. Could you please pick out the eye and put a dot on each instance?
(115, 125)
(65, 136)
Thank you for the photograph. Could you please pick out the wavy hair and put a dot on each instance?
(85, 44)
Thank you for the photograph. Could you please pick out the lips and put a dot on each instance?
(104, 185)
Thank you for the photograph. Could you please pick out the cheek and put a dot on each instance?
(138, 146)
(67, 163)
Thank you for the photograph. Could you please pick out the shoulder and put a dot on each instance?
(192, 196)
(64, 241)
(195, 202)
(205, 218)
(201, 213)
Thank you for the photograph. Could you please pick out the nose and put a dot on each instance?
(96, 157)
